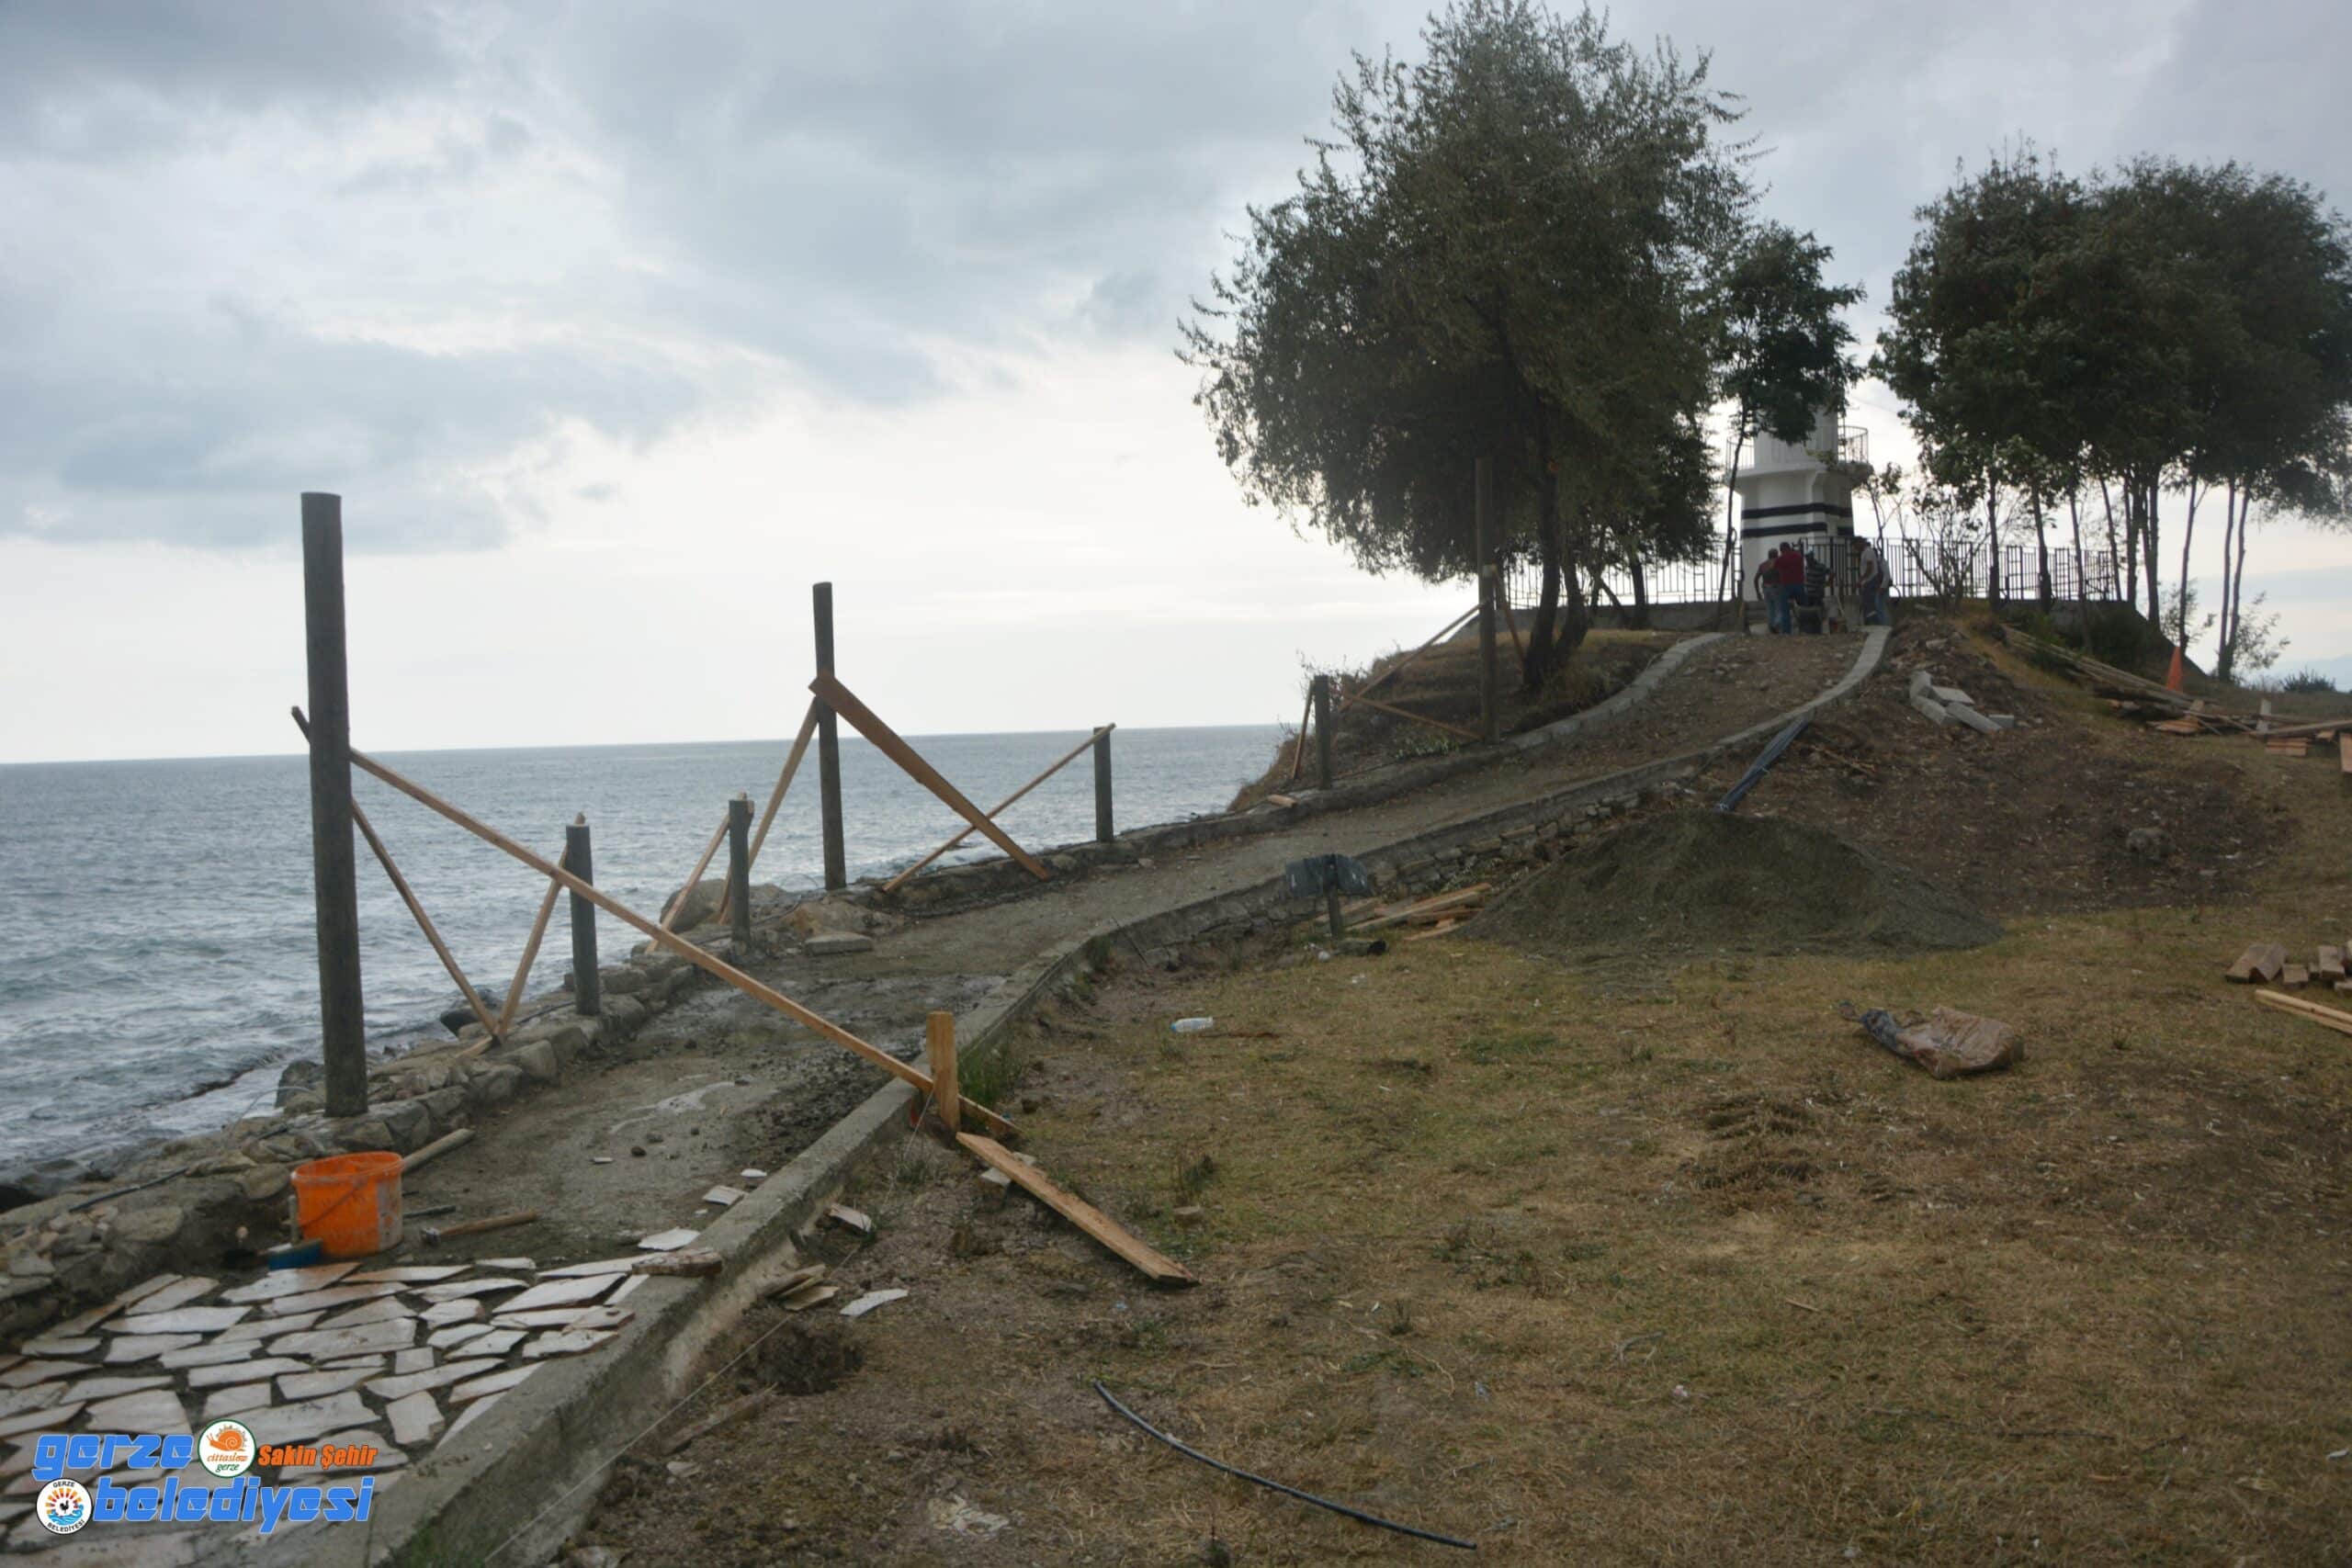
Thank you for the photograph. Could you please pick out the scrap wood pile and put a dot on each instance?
(1437, 914)
(2267, 963)
(2176, 713)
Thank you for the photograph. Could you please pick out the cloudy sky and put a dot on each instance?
(616, 326)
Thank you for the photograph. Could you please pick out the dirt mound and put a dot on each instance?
(1701, 880)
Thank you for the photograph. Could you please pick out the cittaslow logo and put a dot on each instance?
(244, 1500)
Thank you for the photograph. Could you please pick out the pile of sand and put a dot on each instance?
(1701, 881)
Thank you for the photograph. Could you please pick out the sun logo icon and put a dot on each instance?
(226, 1448)
(63, 1507)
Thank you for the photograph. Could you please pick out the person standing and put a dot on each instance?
(1871, 570)
(1812, 590)
(1792, 574)
(1767, 587)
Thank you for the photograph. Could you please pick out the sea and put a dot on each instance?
(160, 965)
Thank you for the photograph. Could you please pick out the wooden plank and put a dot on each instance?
(1470, 734)
(776, 797)
(424, 920)
(2325, 1017)
(1161, 1270)
(710, 963)
(1406, 663)
(693, 877)
(2344, 753)
(885, 740)
(2288, 747)
(2243, 970)
(1439, 930)
(2330, 967)
(530, 957)
(2294, 976)
(997, 810)
(1471, 894)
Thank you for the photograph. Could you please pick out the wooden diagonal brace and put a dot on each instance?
(838, 697)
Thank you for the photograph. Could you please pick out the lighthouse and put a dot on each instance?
(1794, 493)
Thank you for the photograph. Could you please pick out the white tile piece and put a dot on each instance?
(455, 1335)
(325, 1344)
(566, 1317)
(748, 1175)
(724, 1196)
(26, 1373)
(126, 1349)
(457, 1290)
(113, 1387)
(62, 1345)
(383, 1309)
(263, 1328)
(497, 1382)
(441, 1315)
(308, 1421)
(51, 1418)
(416, 1419)
(525, 1264)
(571, 1342)
(467, 1416)
(582, 1270)
(496, 1343)
(182, 1320)
(16, 1401)
(334, 1296)
(373, 1363)
(419, 1360)
(629, 1286)
(871, 1299)
(417, 1382)
(156, 1410)
(247, 1370)
(237, 1398)
(318, 1385)
(560, 1292)
(179, 1292)
(290, 1282)
(211, 1353)
(409, 1274)
(667, 1241)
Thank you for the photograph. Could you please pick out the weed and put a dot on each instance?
(989, 1077)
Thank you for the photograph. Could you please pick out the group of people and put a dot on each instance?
(1794, 582)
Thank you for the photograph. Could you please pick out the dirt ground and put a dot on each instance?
(1637, 1261)
(2035, 819)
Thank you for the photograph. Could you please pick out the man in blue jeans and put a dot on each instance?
(1767, 587)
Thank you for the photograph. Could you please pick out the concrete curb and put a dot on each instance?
(525, 1471)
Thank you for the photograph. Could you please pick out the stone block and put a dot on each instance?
(1968, 716)
(539, 1061)
(623, 979)
(833, 944)
(495, 1082)
(1932, 708)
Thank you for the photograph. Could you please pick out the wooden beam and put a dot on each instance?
(939, 1048)
(693, 877)
(843, 702)
(775, 795)
(997, 810)
(1161, 1270)
(2261, 961)
(1406, 663)
(1418, 718)
(1298, 751)
(424, 920)
(1427, 907)
(2325, 1017)
(708, 963)
(530, 957)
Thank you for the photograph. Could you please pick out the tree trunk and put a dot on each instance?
(1992, 542)
(2188, 534)
(2225, 653)
(2040, 550)
(1731, 527)
(2126, 558)
(1543, 637)
(2082, 578)
(2148, 545)
(1641, 595)
(2237, 578)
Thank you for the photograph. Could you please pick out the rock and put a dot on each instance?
(622, 1015)
(2148, 843)
(409, 1123)
(263, 1182)
(539, 1061)
(298, 1075)
(836, 942)
(691, 907)
(623, 980)
(496, 1082)
(832, 914)
(302, 1102)
(456, 1018)
(24, 1263)
(362, 1133)
(158, 1223)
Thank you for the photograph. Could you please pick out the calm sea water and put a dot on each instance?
(160, 962)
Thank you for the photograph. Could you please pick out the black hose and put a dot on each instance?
(1356, 1514)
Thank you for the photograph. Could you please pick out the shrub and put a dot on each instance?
(2310, 681)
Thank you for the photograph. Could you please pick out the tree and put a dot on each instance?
(1510, 249)
(1785, 349)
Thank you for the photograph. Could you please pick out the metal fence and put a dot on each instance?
(1917, 568)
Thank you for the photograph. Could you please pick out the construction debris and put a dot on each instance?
(871, 1299)
(2259, 964)
(1444, 909)
(2325, 1017)
(1947, 1043)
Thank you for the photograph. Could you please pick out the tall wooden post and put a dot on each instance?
(828, 747)
(587, 985)
(335, 878)
(1104, 832)
(1488, 585)
(939, 1044)
(1318, 697)
(739, 873)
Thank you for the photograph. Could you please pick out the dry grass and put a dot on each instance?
(1622, 1263)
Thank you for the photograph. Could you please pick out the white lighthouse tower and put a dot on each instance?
(1793, 494)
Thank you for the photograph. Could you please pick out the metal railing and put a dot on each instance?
(1917, 568)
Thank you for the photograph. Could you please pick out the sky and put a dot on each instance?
(617, 327)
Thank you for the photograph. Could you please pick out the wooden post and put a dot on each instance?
(828, 746)
(939, 1044)
(1104, 831)
(1484, 474)
(1318, 697)
(738, 871)
(587, 984)
(335, 875)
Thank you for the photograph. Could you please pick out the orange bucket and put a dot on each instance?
(350, 1204)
